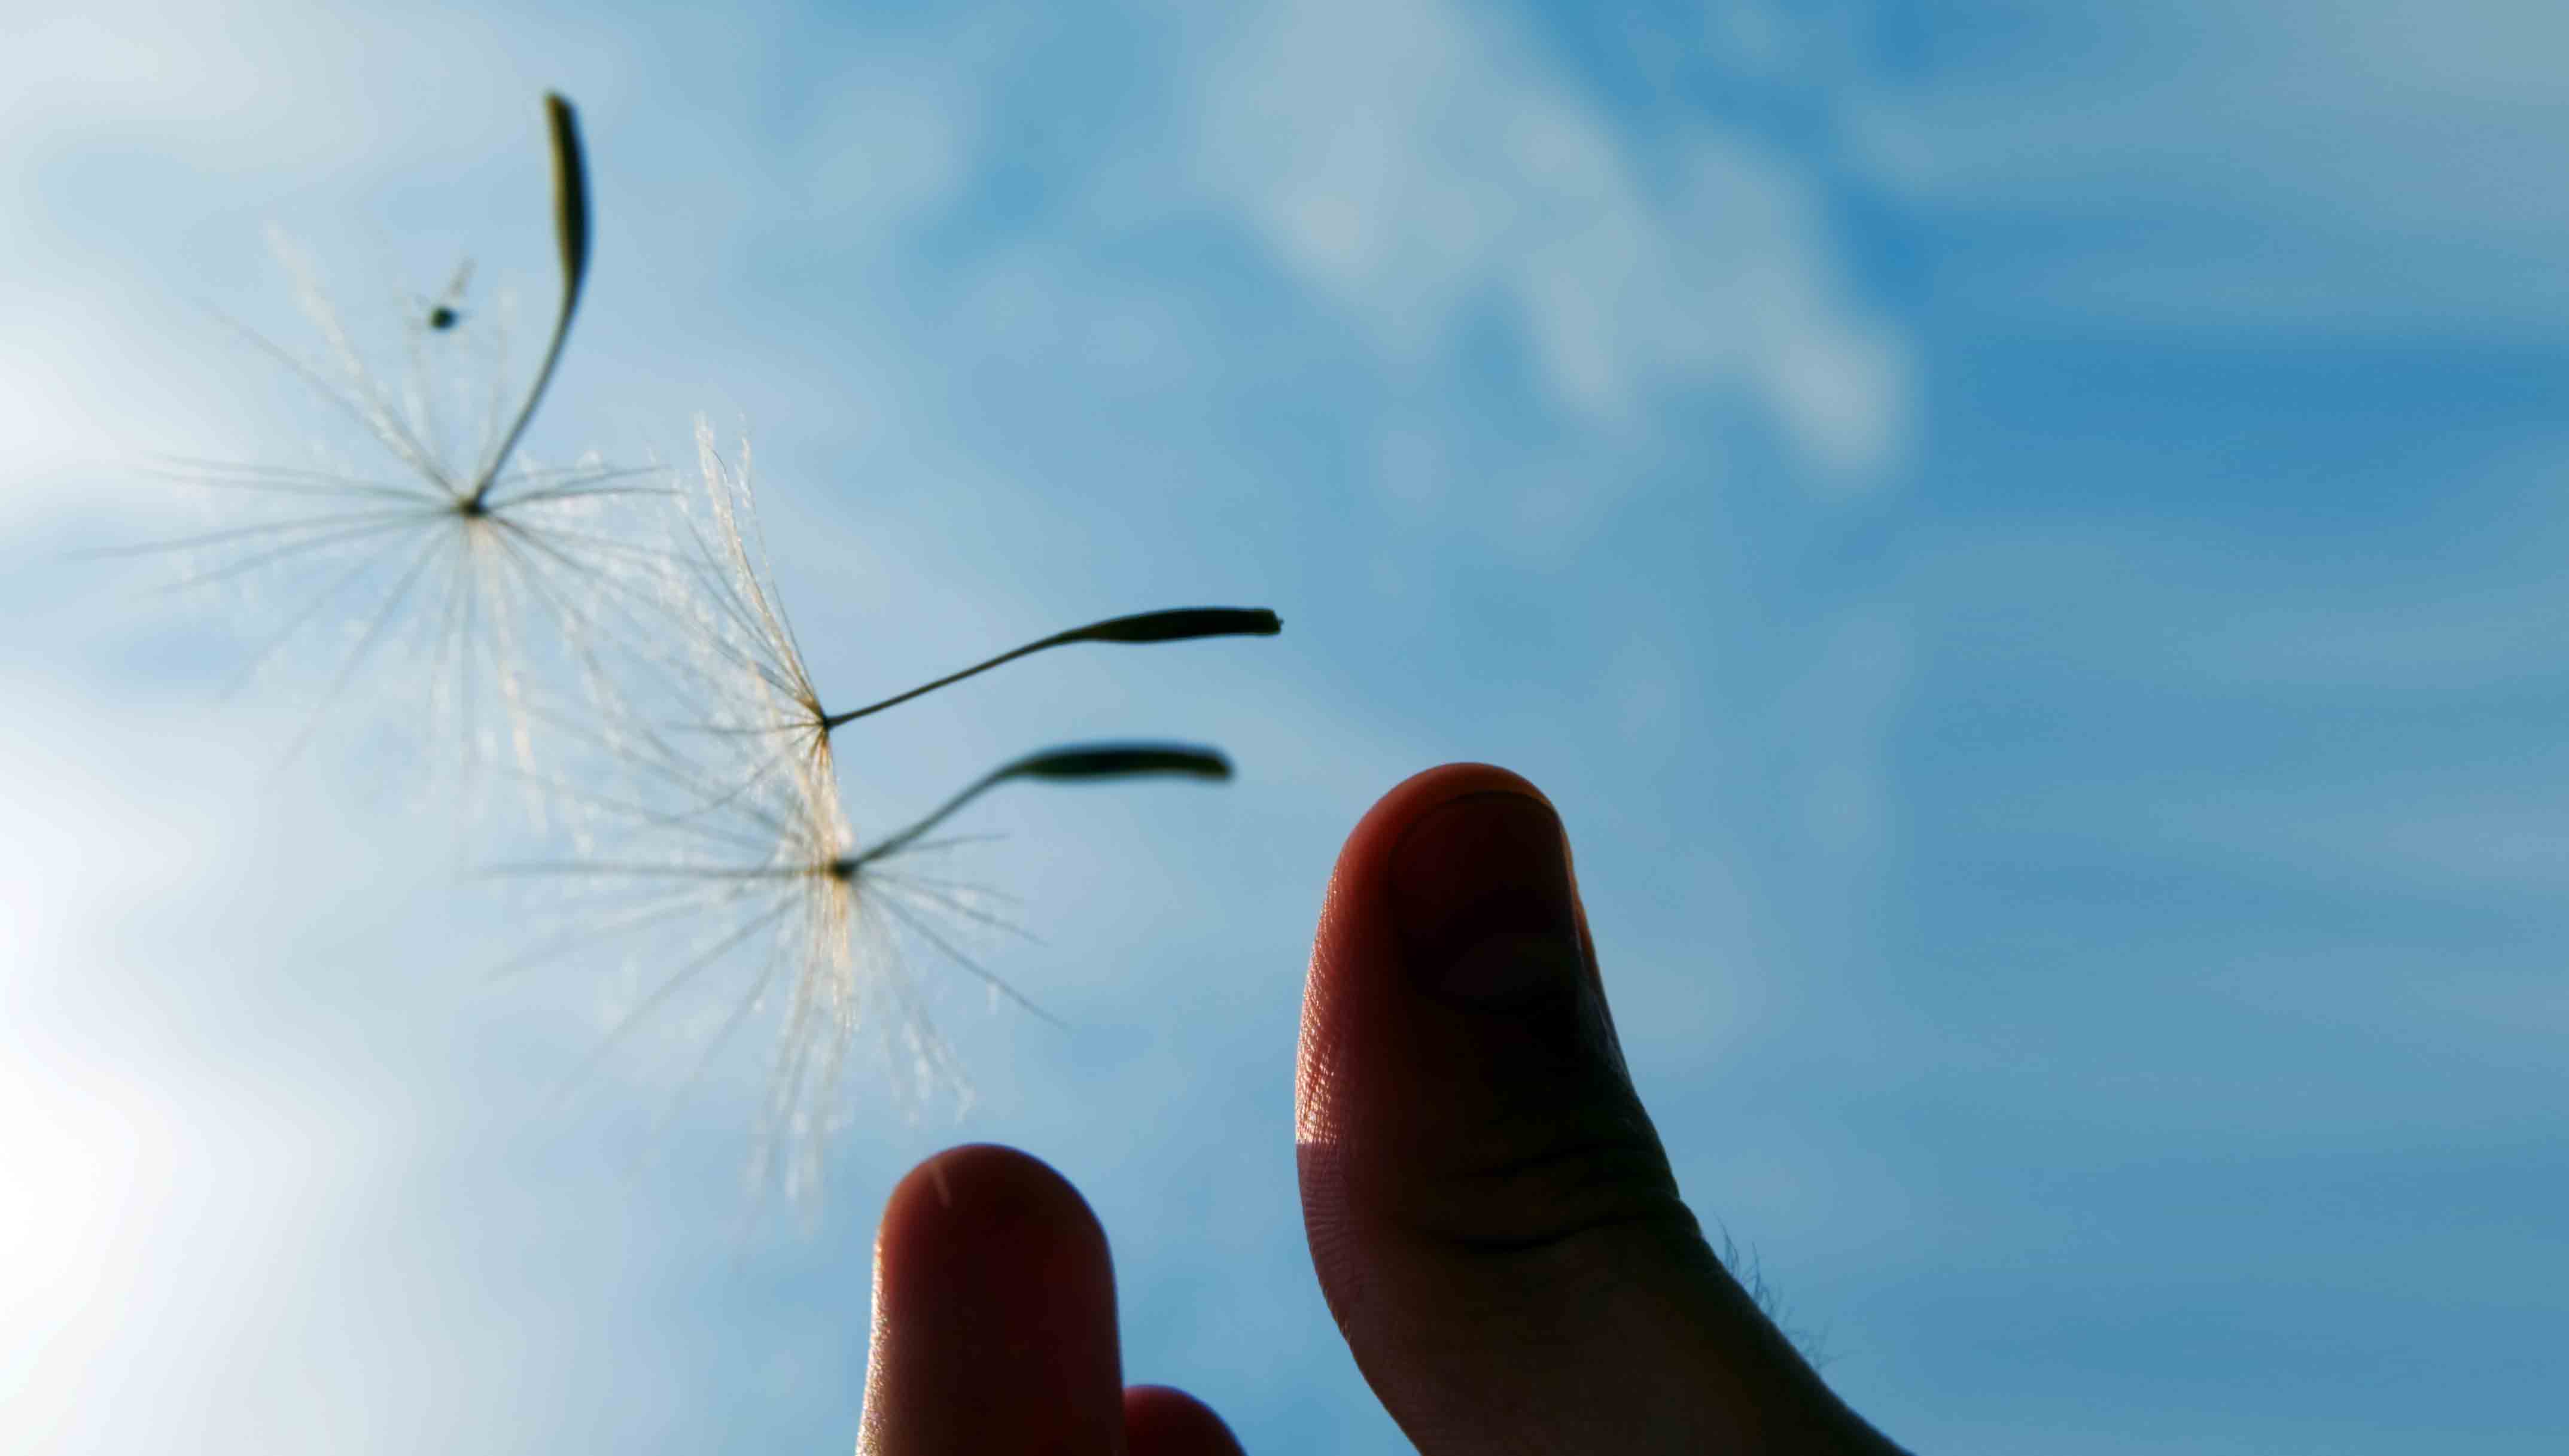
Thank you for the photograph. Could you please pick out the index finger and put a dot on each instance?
(993, 1316)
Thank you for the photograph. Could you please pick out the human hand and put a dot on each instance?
(1493, 1222)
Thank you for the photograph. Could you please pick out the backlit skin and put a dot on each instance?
(1490, 1215)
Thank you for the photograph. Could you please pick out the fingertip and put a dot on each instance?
(1356, 925)
(991, 1272)
(1162, 1421)
(965, 1192)
(1368, 846)
(1353, 907)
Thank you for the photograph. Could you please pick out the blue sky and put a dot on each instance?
(2024, 540)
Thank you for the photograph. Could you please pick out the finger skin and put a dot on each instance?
(1490, 1214)
(1159, 1421)
(993, 1316)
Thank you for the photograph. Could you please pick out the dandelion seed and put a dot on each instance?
(756, 860)
(748, 638)
(772, 902)
(502, 575)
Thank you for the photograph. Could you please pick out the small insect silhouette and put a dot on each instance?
(444, 313)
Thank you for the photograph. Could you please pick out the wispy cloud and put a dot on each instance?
(1416, 162)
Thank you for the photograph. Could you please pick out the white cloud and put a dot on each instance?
(1412, 160)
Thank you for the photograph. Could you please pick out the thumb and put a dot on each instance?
(1490, 1214)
